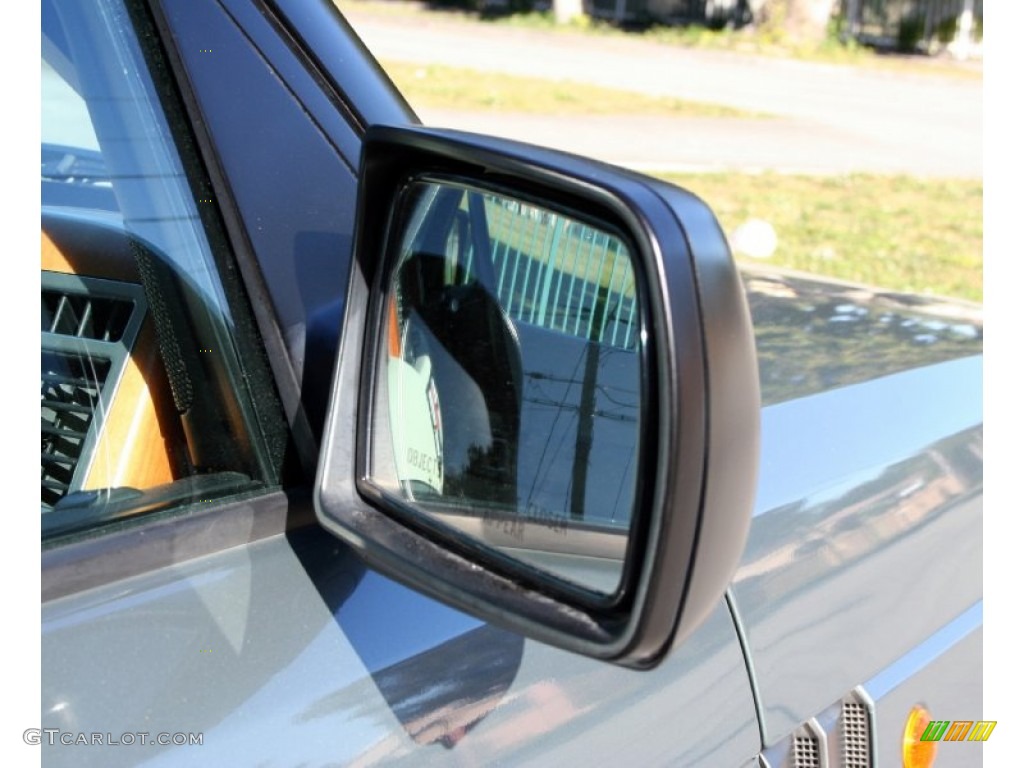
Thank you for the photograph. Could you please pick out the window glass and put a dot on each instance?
(65, 116)
(145, 402)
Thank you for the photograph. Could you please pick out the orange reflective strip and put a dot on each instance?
(958, 730)
(394, 345)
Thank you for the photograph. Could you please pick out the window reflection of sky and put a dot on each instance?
(165, 212)
(65, 119)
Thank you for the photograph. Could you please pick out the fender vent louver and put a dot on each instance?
(838, 737)
(806, 751)
(854, 738)
(88, 328)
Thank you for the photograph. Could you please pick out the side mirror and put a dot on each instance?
(545, 410)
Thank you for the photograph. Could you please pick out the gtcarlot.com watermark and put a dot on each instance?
(55, 736)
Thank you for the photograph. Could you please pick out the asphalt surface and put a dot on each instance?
(826, 118)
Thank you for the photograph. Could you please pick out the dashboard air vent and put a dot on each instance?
(88, 329)
(87, 317)
(71, 387)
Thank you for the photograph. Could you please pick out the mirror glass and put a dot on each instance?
(507, 397)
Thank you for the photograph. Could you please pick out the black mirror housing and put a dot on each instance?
(698, 400)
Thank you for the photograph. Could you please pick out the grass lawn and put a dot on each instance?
(897, 232)
(443, 87)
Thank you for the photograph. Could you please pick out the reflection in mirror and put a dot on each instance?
(508, 387)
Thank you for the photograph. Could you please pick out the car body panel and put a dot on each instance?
(282, 649)
(867, 530)
(944, 676)
(294, 257)
(287, 651)
(295, 620)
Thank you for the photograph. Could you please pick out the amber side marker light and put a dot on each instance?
(917, 753)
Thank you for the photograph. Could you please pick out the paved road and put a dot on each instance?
(829, 118)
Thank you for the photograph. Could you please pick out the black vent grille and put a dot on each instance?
(89, 327)
(84, 316)
(854, 739)
(71, 389)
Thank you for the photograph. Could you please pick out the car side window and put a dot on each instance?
(146, 403)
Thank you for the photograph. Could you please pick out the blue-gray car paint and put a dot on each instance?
(288, 651)
(866, 540)
(255, 647)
